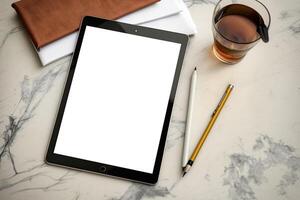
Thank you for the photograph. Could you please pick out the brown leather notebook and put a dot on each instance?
(49, 20)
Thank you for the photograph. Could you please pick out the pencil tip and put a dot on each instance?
(183, 174)
(195, 68)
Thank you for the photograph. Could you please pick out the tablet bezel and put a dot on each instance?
(102, 168)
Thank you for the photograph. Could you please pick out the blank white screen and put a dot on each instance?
(118, 99)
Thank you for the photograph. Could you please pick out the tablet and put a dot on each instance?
(116, 106)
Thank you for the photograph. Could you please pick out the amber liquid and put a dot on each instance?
(236, 33)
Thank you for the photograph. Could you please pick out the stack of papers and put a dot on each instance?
(170, 15)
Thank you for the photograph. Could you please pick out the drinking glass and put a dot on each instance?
(238, 25)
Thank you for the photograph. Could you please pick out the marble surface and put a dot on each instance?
(252, 153)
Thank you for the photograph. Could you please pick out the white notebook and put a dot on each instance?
(171, 15)
(181, 22)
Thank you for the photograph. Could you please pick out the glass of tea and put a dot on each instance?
(238, 25)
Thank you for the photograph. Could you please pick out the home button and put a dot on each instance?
(102, 169)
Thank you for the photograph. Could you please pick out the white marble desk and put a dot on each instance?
(252, 153)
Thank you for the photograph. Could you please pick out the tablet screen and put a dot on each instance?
(118, 99)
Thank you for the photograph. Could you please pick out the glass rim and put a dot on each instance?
(258, 38)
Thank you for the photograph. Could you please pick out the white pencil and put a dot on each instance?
(185, 156)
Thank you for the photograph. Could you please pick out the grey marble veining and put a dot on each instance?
(32, 93)
(51, 186)
(246, 170)
(33, 90)
(286, 14)
(53, 183)
(291, 16)
(176, 133)
(295, 27)
(190, 3)
(138, 191)
(12, 31)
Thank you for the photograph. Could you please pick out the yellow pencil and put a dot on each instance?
(208, 128)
